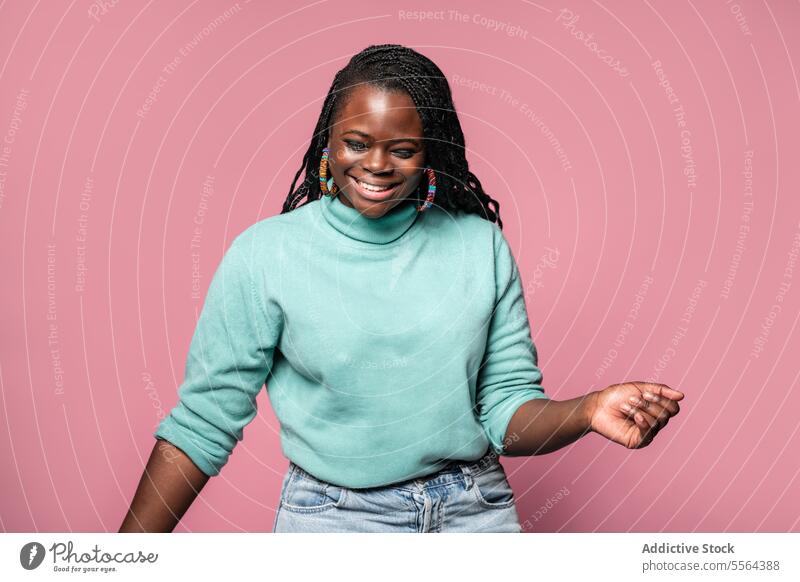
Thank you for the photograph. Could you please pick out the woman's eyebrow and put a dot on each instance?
(398, 139)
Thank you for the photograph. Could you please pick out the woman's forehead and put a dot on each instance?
(376, 111)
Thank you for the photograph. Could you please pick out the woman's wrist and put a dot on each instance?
(589, 405)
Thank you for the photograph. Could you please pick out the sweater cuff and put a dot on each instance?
(189, 443)
(505, 417)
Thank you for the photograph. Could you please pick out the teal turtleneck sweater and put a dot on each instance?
(389, 346)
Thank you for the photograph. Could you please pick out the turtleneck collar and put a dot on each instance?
(382, 230)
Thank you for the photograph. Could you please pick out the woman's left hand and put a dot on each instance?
(632, 413)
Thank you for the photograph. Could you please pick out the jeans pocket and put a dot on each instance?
(305, 494)
(491, 488)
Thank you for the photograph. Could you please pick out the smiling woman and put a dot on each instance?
(388, 117)
(377, 154)
(373, 269)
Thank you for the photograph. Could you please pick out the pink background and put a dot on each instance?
(640, 260)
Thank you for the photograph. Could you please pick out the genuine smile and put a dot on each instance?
(375, 187)
(375, 192)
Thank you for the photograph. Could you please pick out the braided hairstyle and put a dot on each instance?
(394, 67)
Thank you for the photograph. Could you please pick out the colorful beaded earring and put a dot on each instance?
(329, 187)
(431, 191)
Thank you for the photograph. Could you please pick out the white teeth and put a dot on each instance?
(373, 188)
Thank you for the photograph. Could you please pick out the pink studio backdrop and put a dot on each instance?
(644, 155)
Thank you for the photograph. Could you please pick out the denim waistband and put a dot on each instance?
(454, 470)
(486, 462)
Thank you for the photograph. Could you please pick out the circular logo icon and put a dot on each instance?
(31, 555)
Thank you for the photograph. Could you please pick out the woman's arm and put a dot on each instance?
(519, 418)
(169, 485)
(542, 426)
(630, 414)
(230, 356)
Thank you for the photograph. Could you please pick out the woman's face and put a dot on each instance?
(376, 150)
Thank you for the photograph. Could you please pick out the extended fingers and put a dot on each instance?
(656, 404)
(650, 394)
(636, 410)
(646, 414)
(660, 390)
(645, 420)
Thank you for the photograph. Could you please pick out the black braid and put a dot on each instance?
(397, 68)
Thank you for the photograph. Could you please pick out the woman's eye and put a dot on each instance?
(356, 146)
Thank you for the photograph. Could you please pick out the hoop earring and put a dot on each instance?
(431, 191)
(328, 187)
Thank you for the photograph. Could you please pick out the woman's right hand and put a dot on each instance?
(632, 413)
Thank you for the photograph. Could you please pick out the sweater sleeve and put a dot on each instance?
(509, 373)
(230, 356)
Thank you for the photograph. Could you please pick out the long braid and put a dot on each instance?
(398, 68)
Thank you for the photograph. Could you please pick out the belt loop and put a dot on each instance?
(467, 472)
(480, 465)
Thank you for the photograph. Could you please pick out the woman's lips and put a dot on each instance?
(373, 195)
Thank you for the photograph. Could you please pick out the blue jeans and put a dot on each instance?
(464, 496)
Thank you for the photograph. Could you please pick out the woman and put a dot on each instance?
(387, 316)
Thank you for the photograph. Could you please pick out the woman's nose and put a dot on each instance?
(376, 161)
